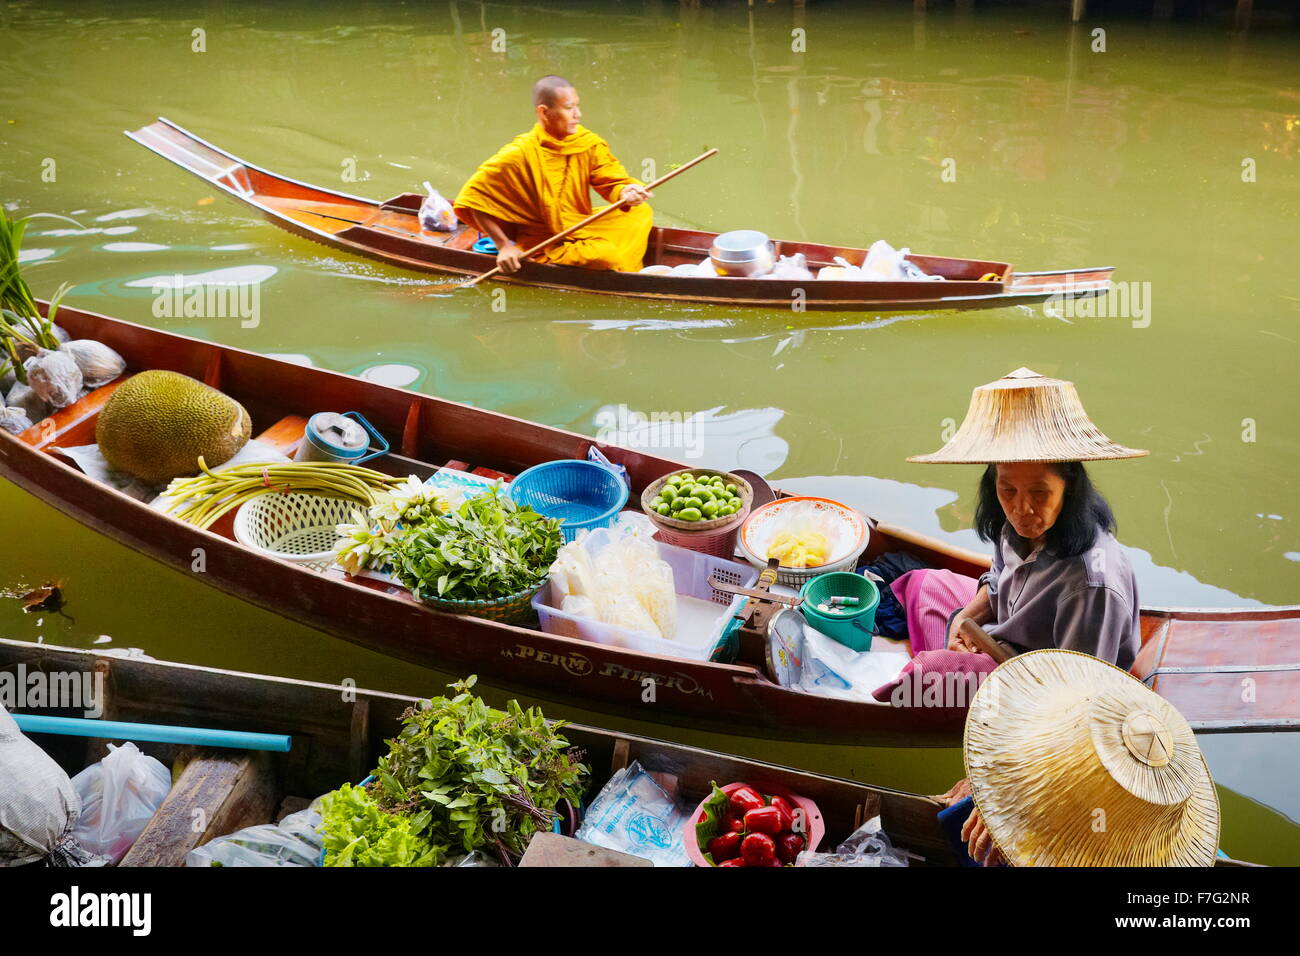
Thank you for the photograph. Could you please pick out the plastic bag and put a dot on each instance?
(868, 845)
(98, 363)
(829, 669)
(625, 584)
(25, 398)
(436, 213)
(633, 814)
(791, 267)
(291, 842)
(38, 803)
(54, 377)
(14, 420)
(119, 795)
(884, 262)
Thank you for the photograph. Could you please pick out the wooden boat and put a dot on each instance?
(390, 232)
(1196, 658)
(338, 735)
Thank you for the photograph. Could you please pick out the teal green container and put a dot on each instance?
(854, 627)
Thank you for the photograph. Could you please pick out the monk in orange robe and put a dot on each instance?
(540, 184)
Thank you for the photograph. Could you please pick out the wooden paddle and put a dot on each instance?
(593, 217)
(983, 640)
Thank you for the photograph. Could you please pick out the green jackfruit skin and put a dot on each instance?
(157, 424)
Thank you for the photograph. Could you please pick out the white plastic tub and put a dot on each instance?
(702, 611)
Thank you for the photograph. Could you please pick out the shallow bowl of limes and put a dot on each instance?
(697, 499)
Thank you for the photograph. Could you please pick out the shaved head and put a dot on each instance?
(547, 90)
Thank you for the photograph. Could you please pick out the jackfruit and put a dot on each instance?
(158, 423)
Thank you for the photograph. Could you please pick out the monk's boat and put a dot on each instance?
(1199, 659)
(338, 735)
(390, 232)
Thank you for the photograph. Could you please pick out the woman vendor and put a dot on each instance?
(1059, 579)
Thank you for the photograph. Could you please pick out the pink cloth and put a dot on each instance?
(929, 596)
(943, 693)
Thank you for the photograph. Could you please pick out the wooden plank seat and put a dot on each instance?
(218, 792)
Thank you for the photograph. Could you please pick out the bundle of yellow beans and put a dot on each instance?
(804, 549)
(203, 499)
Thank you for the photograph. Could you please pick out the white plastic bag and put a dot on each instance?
(436, 213)
(832, 670)
(633, 814)
(119, 795)
(791, 267)
(38, 804)
(868, 845)
(884, 262)
(291, 842)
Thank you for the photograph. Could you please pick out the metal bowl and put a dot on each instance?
(742, 252)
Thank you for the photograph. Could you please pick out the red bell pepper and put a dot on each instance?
(758, 849)
(731, 824)
(744, 799)
(787, 812)
(789, 846)
(724, 847)
(764, 820)
(736, 861)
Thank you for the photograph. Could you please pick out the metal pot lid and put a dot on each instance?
(739, 242)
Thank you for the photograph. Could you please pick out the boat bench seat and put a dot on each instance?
(219, 792)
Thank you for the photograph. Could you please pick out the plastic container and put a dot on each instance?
(853, 628)
(295, 527)
(814, 825)
(582, 494)
(704, 615)
(716, 536)
(329, 437)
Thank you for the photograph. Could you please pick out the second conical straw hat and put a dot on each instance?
(1073, 762)
(1025, 416)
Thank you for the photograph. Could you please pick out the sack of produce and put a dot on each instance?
(27, 349)
(158, 424)
(98, 363)
(792, 267)
(14, 420)
(38, 804)
(119, 795)
(436, 213)
(291, 842)
(54, 376)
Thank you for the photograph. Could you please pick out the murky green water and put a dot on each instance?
(1062, 157)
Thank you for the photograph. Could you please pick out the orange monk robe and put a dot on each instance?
(543, 185)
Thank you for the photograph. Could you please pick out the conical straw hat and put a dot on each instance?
(1073, 762)
(1025, 416)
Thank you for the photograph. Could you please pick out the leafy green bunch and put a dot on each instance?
(357, 832)
(472, 777)
(487, 549)
(21, 323)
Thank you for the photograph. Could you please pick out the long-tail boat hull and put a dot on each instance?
(1224, 646)
(338, 735)
(390, 232)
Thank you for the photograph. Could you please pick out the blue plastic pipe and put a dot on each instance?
(156, 733)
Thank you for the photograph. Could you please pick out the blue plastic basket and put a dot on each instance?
(582, 494)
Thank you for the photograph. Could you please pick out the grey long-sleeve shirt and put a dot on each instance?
(1087, 603)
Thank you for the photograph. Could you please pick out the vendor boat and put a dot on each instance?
(390, 231)
(1197, 658)
(337, 735)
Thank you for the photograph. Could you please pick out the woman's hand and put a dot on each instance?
(979, 842)
(508, 258)
(957, 640)
(960, 791)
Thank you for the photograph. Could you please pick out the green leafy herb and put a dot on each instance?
(470, 776)
(487, 549)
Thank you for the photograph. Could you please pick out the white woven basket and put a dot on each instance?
(293, 527)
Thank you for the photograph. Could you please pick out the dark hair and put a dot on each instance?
(1084, 512)
(547, 89)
